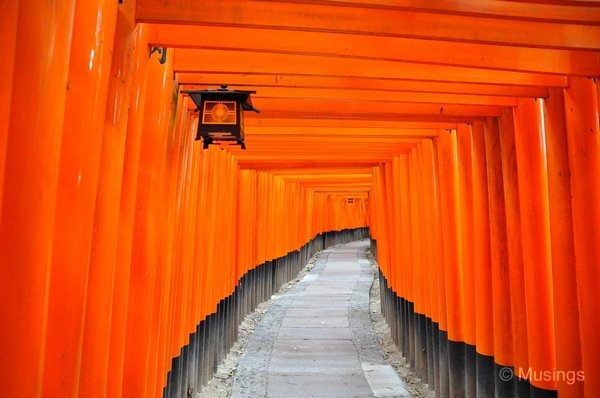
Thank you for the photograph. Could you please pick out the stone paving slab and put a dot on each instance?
(384, 381)
(314, 333)
(303, 312)
(317, 340)
(317, 322)
(306, 364)
(326, 386)
(315, 347)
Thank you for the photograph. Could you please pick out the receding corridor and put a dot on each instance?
(317, 340)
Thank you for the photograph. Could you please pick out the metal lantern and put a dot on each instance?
(221, 114)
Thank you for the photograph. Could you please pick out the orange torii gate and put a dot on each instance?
(465, 134)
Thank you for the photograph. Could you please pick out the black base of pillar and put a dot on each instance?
(470, 371)
(452, 368)
(485, 376)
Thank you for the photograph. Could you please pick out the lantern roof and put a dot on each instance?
(223, 93)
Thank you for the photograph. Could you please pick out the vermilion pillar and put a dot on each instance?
(484, 326)
(515, 250)
(109, 266)
(581, 108)
(406, 218)
(91, 51)
(397, 220)
(564, 275)
(450, 216)
(501, 292)
(393, 191)
(41, 66)
(535, 227)
(466, 213)
(8, 41)
(144, 294)
(109, 271)
(441, 278)
(163, 190)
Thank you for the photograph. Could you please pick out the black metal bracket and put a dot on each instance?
(160, 50)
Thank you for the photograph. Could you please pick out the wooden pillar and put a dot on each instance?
(111, 246)
(31, 173)
(144, 301)
(583, 133)
(109, 275)
(484, 326)
(515, 251)
(164, 189)
(535, 227)
(467, 243)
(450, 200)
(566, 313)
(442, 343)
(501, 292)
(91, 52)
(428, 172)
(8, 42)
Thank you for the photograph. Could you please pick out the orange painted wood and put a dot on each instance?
(114, 223)
(564, 278)
(181, 146)
(191, 60)
(465, 224)
(393, 220)
(439, 244)
(96, 329)
(484, 309)
(535, 228)
(397, 220)
(465, 115)
(581, 108)
(500, 273)
(371, 96)
(528, 9)
(450, 213)
(514, 243)
(253, 124)
(407, 238)
(416, 279)
(194, 259)
(156, 376)
(419, 51)
(398, 109)
(126, 205)
(8, 41)
(31, 175)
(380, 220)
(79, 165)
(356, 82)
(432, 248)
(143, 301)
(363, 20)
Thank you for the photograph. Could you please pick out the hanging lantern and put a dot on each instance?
(221, 114)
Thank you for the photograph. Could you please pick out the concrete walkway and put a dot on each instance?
(317, 339)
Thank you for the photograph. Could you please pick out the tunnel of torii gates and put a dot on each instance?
(463, 134)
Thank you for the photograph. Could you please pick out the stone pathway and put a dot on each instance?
(317, 340)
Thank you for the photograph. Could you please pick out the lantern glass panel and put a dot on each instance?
(219, 112)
